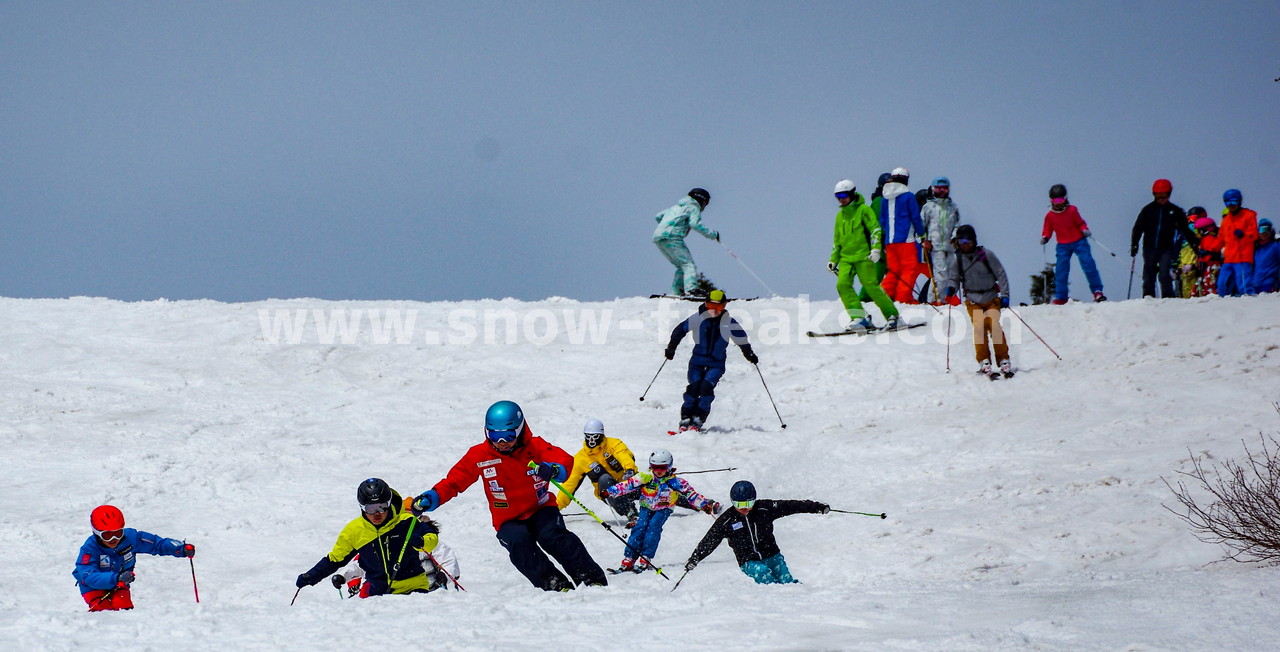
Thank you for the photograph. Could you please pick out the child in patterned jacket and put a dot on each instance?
(660, 489)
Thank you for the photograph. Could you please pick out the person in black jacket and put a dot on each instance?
(749, 529)
(1156, 226)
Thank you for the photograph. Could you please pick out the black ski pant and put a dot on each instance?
(1157, 264)
(526, 539)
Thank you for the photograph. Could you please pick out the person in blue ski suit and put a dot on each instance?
(1266, 259)
(104, 569)
(673, 225)
(712, 328)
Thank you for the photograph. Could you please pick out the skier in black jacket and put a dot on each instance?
(749, 528)
(1156, 227)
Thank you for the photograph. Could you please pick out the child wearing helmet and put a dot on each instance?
(379, 539)
(1063, 221)
(1210, 257)
(673, 225)
(104, 570)
(604, 461)
(712, 329)
(749, 529)
(1239, 232)
(660, 489)
(440, 564)
(1266, 259)
(1188, 255)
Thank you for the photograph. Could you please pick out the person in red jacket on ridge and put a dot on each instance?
(1073, 239)
(524, 510)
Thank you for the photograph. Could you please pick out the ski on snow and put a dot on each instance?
(870, 332)
(698, 298)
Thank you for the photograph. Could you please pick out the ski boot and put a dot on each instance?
(696, 424)
(1006, 369)
(863, 325)
(1099, 297)
(685, 423)
(987, 370)
(893, 323)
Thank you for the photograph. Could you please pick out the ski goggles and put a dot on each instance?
(502, 436)
(376, 508)
(1056, 201)
(964, 241)
(844, 195)
(1231, 202)
(743, 504)
(660, 467)
(109, 536)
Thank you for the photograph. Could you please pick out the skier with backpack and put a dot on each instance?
(660, 489)
(524, 512)
(381, 537)
(603, 461)
(712, 329)
(673, 225)
(749, 529)
(1064, 221)
(980, 276)
(104, 570)
(855, 251)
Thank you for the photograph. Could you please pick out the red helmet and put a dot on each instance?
(1162, 185)
(106, 518)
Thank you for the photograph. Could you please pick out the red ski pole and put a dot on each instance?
(1033, 332)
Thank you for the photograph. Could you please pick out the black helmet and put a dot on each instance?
(373, 491)
(742, 490)
(966, 232)
(884, 178)
(701, 196)
(1197, 210)
(1058, 190)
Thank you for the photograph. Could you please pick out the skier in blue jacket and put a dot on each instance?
(712, 329)
(1266, 259)
(673, 225)
(104, 569)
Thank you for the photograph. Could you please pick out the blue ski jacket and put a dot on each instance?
(711, 337)
(98, 567)
(901, 215)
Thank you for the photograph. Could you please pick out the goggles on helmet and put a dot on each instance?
(743, 504)
(844, 195)
(1231, 202)
(110, 536)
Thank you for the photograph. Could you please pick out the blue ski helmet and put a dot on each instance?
(942, 182)
(742, 491)
(1232, 197)
(503, 422)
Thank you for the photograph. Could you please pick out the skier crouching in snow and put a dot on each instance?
(706, 364)
(524, 511)
(673, 225)
(604, 461)
(659, 489)
(979, 274)
(440, 564)
(855, 251)
(381, 537)
(749, 529)
(104, 570)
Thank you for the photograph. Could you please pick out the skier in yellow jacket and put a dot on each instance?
(605, 461)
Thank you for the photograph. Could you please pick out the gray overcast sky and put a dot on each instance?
(445, 150)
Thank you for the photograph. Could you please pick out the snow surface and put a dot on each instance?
(1023, 514)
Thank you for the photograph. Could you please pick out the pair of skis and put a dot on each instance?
(866, 332)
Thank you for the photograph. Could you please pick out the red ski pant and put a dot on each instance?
(108, 600)
(904, 267)
(986, 325)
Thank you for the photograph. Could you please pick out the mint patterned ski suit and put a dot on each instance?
(673, 225)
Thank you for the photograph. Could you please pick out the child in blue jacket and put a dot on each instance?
(104, 570)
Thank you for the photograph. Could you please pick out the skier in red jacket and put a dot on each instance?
(524, 511)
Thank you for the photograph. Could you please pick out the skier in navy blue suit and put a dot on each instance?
(706, 365)
(104, 569)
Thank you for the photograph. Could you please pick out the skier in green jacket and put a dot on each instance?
(856, 248)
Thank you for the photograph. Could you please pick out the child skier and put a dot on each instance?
(855, 251)
(749, 529)
(381, 536)
(1266, 259)
(673, 225)
(706, 363)
(659, 490)
(441, 564)
(1210, 260)
(1188, 255)
(104, 570)
(1238, 233)
(986, 290)
(604, 461)
(1064, 221)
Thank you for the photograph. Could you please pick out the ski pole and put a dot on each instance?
(195, 587)
(295, 596)
(1099, 243)
(731, 468)
(949, 338)
(673, 589)
(100, 600)
(844, 511)
(1033, 332)
(655, 377)
(1132, 261)
(770, 395)
(446, 573)
(744, 266)
(656, 568)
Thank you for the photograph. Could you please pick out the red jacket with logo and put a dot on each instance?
(511, 488)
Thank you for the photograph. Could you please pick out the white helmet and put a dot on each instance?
(844, 185)
(901, 172)
(660, 457)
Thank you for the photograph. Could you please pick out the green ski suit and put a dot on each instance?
(857, 232)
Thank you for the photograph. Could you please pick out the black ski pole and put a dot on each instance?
(1132, 261)
(845, 511)
(673, 589)
(770, 395)
(731, 468)
(656, 568)
(655, 377)
(295, 596)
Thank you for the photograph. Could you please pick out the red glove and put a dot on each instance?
(953, 300)
(187, 550)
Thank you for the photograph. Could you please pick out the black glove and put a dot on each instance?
(547, 470)
(125, 578)
(307, 579)
(1044, 240)
(1133, 251)
(1238, 233)
(338, 581)
(823, 508)
(750, 355)
(670, 353)
(690, 565)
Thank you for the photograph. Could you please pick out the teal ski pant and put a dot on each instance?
(770, 571)
(865, 271)
(676, 251)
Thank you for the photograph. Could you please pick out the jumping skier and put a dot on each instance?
(104, 569)
(673, 225)
(712, 328)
